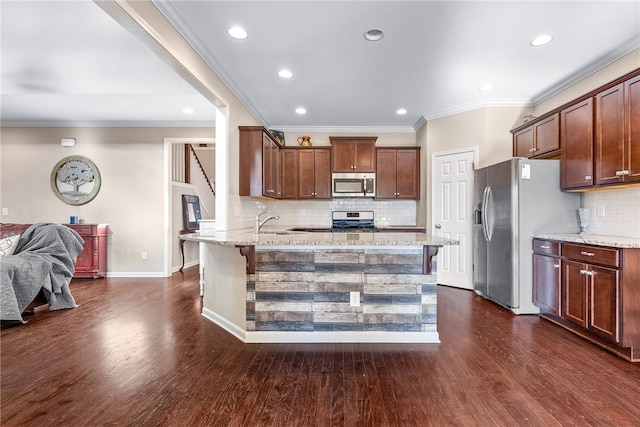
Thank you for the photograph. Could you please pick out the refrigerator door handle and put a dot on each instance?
(485, 213)
(491, 215)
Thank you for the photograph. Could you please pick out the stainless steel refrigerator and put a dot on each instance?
(514, 200)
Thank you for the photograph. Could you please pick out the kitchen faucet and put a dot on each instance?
(259, 223)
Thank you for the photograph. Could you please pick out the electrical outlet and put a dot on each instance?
(144, 255)
(5, 211)
(237, 211)
(600, 209)
(354, 299)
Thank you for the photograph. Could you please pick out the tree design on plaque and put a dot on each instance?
(75, 180)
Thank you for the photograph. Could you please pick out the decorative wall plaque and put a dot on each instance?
(75, 180)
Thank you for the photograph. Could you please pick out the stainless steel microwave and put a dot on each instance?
(353, 184)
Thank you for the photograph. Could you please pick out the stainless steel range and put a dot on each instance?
(352, 221)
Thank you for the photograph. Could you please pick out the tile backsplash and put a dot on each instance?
(614, 212)
(317, 213)
(621, 209)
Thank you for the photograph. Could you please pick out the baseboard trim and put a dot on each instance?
(273, 337)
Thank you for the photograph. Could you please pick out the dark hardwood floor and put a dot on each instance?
(137, 352)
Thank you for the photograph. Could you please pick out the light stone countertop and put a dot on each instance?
(594, 239)
(246, 237)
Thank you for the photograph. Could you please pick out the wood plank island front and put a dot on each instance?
(288, 286)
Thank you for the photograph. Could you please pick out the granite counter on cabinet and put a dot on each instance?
(282, 286)
(594, 239)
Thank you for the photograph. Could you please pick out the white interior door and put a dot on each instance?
(451, 213)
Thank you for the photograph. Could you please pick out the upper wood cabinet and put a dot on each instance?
(350, 154)
(576, 138)
(398, 173)
(540, 139)
(289, 172)
(314, 176)
(259, 168)
(271, 183)
(617, 134)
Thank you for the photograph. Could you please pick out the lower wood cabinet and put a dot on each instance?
(92, 261)
(546, 276)
(597, 293)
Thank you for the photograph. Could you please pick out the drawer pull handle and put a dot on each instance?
(587, 272)
(588, 178)
(556, 265)
(585, 253)
(545, 247)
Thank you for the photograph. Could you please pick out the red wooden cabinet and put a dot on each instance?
(92, 261)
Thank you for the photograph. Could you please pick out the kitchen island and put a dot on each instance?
(287, 286)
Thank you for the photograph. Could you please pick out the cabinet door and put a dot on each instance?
(268, 164)
(546, 135)
(408, 174)
(632, 126)
(364, 156)
(342, 156)
(546, 283)
(523, 143)
(576, 136)
(609, 138)
(604, 314)
(289, 171)
(575, 292)
(306, 174)
(386, 173)
(322, 171)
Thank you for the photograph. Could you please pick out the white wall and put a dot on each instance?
(486, 128)
(131, 164)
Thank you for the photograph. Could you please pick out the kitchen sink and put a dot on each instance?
(279, 233)
(310, 230)
(355, 230)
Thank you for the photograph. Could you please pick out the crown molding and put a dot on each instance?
(590, 69)
(485, 103)
(350, 129)
(174, 17)
(114, 124)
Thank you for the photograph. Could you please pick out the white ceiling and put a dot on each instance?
(69, 61)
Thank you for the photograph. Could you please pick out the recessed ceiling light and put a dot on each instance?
(237, 33)
(301, 110)
(401, 111)
(374, 35)
(188, 110)
(485, 88)
(541, 40)
(285, 74)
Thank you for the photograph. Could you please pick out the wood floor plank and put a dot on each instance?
(137, 352)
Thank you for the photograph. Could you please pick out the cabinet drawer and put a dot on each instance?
(546, 247)
(591, 254)
(82, 229)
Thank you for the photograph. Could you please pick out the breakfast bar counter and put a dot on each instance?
(288, 286)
